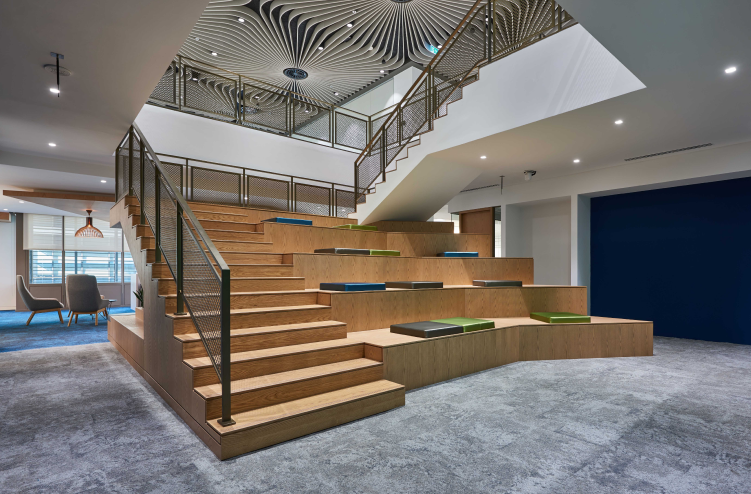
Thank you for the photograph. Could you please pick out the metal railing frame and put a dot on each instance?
(428, 76)
(199, 235)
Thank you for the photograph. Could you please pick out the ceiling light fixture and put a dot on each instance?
(336, 94)
(57, 70)
(483, 157)
(618, 122)
(104, 181)
(577, 160)
(214, 54)
(350, 24)
(240, 20)
(54, 90)
(89, 230)
(20, 202)
(383, 71)
(440, 46)
(5, 209)
(730, 70)
(320, 47)
(52, 144)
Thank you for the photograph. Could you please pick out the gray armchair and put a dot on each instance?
(84, 297)
(37, 305)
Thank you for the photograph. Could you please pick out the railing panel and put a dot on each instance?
(345, 203)
(351, 131)
(311, 121)
(215, 186)
(122, 172)
(208, 92)
(263, 109)
(312, 199)
(175, 172)
(166, 90)
(267, 193)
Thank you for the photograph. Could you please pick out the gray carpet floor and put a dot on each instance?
(79, 419)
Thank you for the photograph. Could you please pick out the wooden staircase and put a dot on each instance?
(293, 369)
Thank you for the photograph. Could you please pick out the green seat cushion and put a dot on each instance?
(358, 227)
(467, 323)
(559, 317)
(376, 252)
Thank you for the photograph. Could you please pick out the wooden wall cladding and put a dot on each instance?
(428, 362)
(296, 238)
(258, 215)
(323, 268)
(415, 226)
(520, 302)
(430, 244)
(374, 310)
(477, 221)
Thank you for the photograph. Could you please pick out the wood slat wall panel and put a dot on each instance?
(322, 268)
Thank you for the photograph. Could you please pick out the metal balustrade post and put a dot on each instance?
(179, 281)
(357, 188)
(226, 376)
(142, 163)
(383, 152)
(157, 218)
(130, 162)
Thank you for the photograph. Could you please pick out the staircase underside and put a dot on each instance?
(304, 359)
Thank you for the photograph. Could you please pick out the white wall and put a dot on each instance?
(8, 265)
(173, 132)
(385, 95)
(541, 231)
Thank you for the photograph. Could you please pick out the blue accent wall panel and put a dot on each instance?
(680, 257)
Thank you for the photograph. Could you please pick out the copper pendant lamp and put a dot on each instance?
(89, 230)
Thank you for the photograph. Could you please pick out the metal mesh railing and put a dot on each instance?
(345, 203)
(491, 30)
(312, 199)
(166, 90)
(264, 109)
(200, 274)
(210, 93)
(215, 186)
(351, 132)
(267, 193)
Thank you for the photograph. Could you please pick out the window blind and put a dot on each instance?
(42, 232)
(110, 243)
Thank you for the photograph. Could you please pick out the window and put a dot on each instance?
(46, 266)
(130, 268)
(104, 265)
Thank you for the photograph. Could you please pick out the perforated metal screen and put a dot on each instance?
(351, 131)
(312, 199)
(311, 121)
(166, 90)
(263, 109)
(210, 93)
(345, 203)
(267, 193)
(215, 186)
(175, 173)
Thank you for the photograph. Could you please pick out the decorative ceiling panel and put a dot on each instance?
(338, 46)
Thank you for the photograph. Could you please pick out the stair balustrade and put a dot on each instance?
(491, 30)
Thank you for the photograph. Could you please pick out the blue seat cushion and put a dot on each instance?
(353, 287)
(426, 329)
(458, 254)
(291, 221)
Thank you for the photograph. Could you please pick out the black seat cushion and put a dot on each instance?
(426, 329)
(497, 283)
(359, 252)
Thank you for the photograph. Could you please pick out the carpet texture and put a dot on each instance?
(79, 419)
(45, 330)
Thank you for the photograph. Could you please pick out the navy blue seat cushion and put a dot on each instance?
(426, 329)
(414, 284)
(359, 252)
(458, 254)
(291, 221)
(496, 283)
(353, 287)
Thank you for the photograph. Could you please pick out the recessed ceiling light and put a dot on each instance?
(21, 202)
(350, 24)
(354, 11)
(730, 70)
(241, 20)
(197, 38)
(52, 144)
(336, 94)
(320, 47)
(577, 161)
(371, 48)
(5, 209)
(483, 157)
(618, 122)
(104, 181)
(383, 71)
(440, 46)
(54, 90)
(213, 53)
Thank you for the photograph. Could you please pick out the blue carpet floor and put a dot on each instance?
(46, 331)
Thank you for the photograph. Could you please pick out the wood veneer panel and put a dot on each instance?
(258, 215)
(430, 244)
(414, 226)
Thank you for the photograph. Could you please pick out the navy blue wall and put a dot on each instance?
(680, 257)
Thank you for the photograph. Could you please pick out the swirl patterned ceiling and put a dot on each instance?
(341, 45)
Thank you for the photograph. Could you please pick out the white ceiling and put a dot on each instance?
(679, 50)
(116, 51)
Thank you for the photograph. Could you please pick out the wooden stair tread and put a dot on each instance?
(279, 292)
(199, 362)
(283, 411)
(281, 378)
(247, 278)
(189, 337)
(195, 211)
(257, 310)
(229, 265)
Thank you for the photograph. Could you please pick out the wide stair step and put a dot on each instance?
(249, 339)
(251, 284)
(253, 318)
(264, 427)
(161, 270)
(202, 215)
(246, 236)
(252, 300)
(263, 391)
